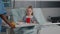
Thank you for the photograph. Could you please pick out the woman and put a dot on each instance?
(3, 16)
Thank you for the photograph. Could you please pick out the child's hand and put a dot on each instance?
(34, 22)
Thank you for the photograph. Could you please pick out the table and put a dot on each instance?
(24, 25)
(21, 25)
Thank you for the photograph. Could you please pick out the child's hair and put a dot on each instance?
(31, 8)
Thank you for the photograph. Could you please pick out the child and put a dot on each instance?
(29, 14)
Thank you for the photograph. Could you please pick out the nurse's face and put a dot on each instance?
(29, 11)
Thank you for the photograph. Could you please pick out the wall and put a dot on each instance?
(20, 4)
(50, 10)
(37, 0)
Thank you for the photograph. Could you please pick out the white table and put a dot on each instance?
(22, 25)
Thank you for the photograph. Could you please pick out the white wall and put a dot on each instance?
(46, 11)
(51, 12)
(20, 4)
(37, 0)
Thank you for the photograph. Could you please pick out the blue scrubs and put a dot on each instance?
(2, 11)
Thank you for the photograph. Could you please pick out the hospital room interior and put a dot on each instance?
(45, 18)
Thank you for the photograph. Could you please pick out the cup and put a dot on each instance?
(28, 20)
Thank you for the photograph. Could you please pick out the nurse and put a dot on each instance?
(3, 16)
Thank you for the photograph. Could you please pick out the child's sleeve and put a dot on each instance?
(34, 19)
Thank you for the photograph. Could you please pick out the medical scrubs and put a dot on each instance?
(2, 11)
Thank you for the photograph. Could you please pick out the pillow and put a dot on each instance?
(18, 14)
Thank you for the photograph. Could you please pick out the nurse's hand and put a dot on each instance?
(12, 25)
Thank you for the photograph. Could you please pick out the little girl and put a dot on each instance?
(29, 14)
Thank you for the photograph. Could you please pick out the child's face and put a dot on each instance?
(29, 11)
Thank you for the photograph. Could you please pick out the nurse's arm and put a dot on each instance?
(6, 20)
